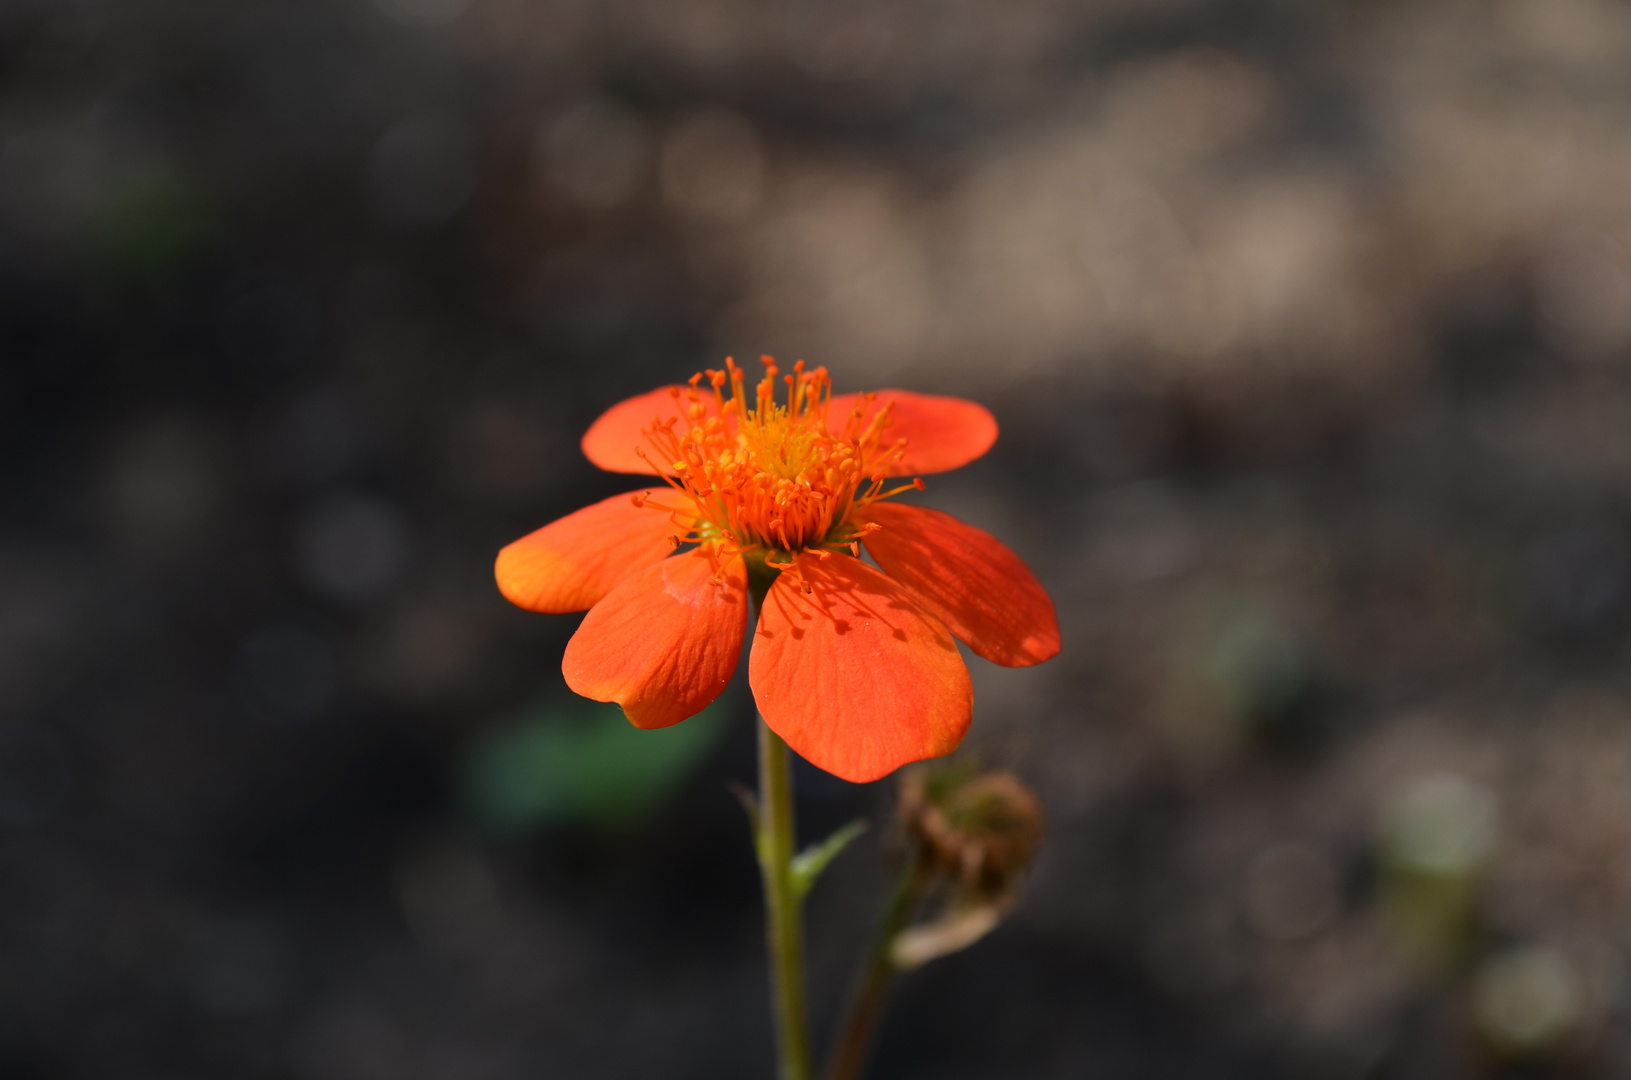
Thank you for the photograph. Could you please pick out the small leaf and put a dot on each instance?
(808, 864)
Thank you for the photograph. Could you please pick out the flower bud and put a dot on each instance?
(977, 831)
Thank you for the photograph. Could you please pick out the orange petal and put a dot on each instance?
(611, 440)
(664, 643)
(969, 580)
(568, 565)
(854, 674)
(941, 433)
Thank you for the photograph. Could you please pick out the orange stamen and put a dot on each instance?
(771, 477)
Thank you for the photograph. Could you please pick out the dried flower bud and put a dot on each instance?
(979, 831)
(974, 834)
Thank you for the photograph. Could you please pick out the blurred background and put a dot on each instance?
(1308, 325)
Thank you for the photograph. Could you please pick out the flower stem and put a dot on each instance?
(870, 992)
(784, 924)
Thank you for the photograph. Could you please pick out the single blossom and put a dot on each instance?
(854, 665)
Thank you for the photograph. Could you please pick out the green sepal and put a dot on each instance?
(808, 864)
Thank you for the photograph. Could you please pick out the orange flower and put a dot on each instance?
(855, 668)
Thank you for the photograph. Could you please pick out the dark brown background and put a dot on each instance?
(1308, 326)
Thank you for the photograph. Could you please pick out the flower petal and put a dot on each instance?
(941, 433)
(969, 580)
(568, 565)
(854, 674)
(664, 643)
(612, 440)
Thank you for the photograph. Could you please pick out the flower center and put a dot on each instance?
(772, 477)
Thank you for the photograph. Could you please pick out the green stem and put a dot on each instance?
(870, 992)
(784, 930)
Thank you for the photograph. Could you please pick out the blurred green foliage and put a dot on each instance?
(580, 762)
(1438, 835)
(155, 222)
